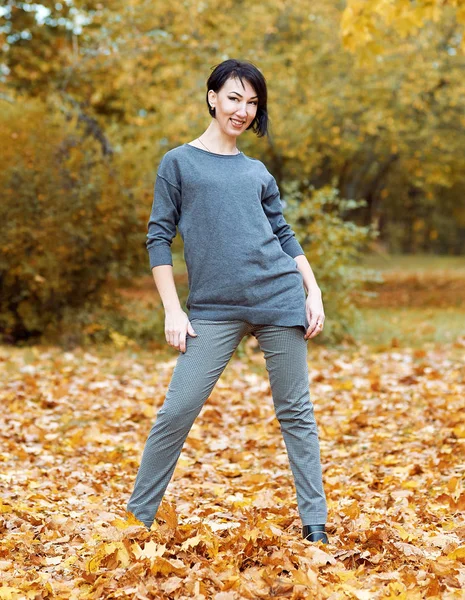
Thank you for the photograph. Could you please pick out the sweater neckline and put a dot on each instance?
(240, 153)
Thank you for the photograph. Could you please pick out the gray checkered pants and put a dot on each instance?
(195, 374)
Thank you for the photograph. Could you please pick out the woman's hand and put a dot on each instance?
(177, 326)
(315, 313)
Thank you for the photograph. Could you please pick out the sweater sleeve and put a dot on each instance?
(272, 205)
(164, 217)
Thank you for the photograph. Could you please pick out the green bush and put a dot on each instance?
(69, 229)
(333, 245)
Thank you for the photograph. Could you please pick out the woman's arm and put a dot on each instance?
(164, 280)
(164, 217)
(310, 284)
(272, 206)
(177, 323)
(314, 302)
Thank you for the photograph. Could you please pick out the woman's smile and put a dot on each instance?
(237, 124)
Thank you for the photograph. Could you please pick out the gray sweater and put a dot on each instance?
(238, 247)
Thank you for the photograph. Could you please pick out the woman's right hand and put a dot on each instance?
(177, 326)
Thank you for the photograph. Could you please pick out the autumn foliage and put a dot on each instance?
(68, 225)
(365, 102)
(365, 96)
(392, 435)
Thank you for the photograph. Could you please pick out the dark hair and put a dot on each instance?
(242, 69)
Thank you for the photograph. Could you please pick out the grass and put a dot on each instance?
(414, 263)
(409, 327)
(421, 301)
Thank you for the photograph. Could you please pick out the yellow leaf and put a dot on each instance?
(165, 567)
(117, 549)
(403, 534)
(70, 561)
(459, 552)
(150, 550)
(252, 535)
(410, 484)
(5, 508)
(10, 593)
(191, 542)
(352, 511)
(130, 521)
(168, 514)
(459, 430)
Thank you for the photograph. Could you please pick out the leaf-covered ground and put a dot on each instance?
(392, 434)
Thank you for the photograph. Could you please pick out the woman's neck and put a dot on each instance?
(213, 141)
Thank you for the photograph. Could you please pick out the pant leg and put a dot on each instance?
(285, 351)
(195, 374)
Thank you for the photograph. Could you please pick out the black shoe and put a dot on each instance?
(315, 533)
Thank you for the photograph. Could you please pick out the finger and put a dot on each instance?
(313, 325)
(310, 332)
(171, 339)
(313, 334)
(316, 329)
(178, 338)
(182, 342)
(190, 329)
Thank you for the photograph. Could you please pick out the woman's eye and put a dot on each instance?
(253, 101)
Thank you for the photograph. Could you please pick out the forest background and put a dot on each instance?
(367, 143)
(366, 100)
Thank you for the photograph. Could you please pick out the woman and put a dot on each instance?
(246, 274)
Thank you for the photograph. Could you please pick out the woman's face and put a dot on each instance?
(236, 106)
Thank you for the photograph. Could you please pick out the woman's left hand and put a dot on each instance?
(315, 313)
